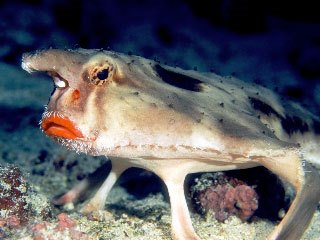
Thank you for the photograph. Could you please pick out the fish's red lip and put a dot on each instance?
(58, 126)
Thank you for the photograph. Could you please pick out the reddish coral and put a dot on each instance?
(38, 227)
(38, 238)
(64, 221)
(13, 221)
(229, 196)
(13, 192)
(2, 222)
(65, 226)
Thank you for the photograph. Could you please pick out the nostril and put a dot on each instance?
(58, 81)
(75, 95)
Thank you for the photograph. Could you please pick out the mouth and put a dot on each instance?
(58, 126)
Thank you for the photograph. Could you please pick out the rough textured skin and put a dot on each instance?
(175, 122)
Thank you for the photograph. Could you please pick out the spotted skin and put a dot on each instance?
(175, 122)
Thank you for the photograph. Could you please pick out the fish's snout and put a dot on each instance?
(53, 60)
(25, 63)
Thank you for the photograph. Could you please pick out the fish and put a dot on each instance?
(174, 122)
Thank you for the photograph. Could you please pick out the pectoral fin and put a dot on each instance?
(306, 181)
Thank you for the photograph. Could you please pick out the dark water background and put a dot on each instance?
(263, 41)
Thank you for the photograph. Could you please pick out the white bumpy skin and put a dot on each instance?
(174, 122)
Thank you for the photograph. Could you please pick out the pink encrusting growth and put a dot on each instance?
(229, 196)
(175, 122)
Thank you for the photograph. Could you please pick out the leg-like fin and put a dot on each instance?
(306, 181)
(98, 200)
(181, 223)
(302, 208)
(84, 187)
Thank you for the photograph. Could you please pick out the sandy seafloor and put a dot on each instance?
(50, 169)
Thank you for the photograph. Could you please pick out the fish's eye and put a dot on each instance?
(103, 74)
(99, 74)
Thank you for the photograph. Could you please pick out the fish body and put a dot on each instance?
(174, 122)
